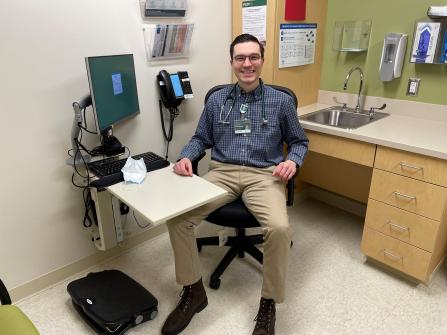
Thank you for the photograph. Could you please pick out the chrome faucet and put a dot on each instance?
(345, 85)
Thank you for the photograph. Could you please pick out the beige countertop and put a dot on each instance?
(409, 133)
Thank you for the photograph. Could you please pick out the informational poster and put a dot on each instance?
(254, 19)
(297, 44)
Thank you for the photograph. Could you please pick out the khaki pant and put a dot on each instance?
(264, 196)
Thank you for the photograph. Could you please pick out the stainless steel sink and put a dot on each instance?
(343, 117)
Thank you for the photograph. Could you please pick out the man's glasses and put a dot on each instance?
(240, 59)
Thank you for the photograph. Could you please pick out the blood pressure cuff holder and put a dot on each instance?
(111, 302)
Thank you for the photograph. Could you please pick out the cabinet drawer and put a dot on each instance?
(429, 169)
(396, 254)
(412, 195)
(405, 226)
(353, 151)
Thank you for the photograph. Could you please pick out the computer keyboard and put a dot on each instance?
(109, 170)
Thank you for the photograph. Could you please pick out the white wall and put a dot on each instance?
(43, 45)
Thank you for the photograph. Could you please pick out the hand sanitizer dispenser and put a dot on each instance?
(393, 53)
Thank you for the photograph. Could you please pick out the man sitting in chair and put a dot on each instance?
(246, 126)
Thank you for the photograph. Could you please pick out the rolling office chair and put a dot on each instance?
(236, 215)
(12, 320)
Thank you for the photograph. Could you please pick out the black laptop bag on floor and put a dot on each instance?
(111, 302)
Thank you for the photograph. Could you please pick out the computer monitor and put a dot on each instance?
(113, 89)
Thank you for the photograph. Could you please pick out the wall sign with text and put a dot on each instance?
(297, 44)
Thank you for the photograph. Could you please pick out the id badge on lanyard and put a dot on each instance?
(242, 126)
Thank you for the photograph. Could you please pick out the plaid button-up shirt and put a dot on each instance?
(263, 145)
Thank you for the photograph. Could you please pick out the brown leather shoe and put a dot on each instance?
(265, 320)
(192, 300)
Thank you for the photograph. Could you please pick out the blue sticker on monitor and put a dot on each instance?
(117, 83)
(176, 85)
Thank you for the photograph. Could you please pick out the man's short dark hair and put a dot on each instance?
(243, 38)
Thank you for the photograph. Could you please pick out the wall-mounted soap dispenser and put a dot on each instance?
(393, 54)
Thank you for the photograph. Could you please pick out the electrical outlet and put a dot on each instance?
(413, 86)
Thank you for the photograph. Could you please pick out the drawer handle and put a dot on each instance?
(392, 256)
(409, 166)
(409, 197)
(398, 227)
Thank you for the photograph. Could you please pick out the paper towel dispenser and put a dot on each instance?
(393, 53)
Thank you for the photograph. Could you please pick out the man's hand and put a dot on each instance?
(285, 170)
(183, 167)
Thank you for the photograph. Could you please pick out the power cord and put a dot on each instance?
(138, 224)
(173, 113)
(85, 122)
(89, 206)
(85, 129)
(90, 216)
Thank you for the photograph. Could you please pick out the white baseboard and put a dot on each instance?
(54, 277)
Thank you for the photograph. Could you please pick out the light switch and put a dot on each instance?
(413, 86)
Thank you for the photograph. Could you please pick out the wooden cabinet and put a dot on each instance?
(409, 194)
(333, 162)
(342, 148)
(429, 169)
(405, 224)
(396, 254)
(406, 196)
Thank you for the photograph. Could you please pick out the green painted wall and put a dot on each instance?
(387, 16)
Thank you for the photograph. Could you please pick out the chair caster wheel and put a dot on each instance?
(153, 314)
(214, 283)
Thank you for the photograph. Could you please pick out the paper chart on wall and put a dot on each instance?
(254, 19)
(297, 44)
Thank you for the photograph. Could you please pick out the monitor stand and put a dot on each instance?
(78, 158)
(110, 145)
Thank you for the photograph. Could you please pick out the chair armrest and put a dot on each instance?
(195, 163)
(291, 185)
(5, 299)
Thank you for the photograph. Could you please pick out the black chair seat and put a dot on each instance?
(234, 214)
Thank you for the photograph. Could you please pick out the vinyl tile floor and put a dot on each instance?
(331, 288)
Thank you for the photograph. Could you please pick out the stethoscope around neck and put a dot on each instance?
(231, 96)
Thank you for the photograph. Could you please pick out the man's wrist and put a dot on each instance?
(291, 160)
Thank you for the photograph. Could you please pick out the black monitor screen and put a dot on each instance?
(113, 88)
